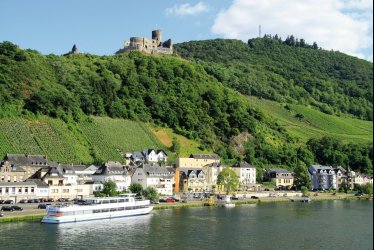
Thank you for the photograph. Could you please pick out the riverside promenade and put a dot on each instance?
(31, 212)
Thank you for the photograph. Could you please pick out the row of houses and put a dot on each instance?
(322, 177)
(25, 176)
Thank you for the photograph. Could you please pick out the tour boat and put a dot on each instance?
(97, 209)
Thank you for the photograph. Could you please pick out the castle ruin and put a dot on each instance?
(151, 46)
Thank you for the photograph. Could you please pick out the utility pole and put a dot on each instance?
(259, 31)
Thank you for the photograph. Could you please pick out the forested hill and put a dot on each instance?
(287, 72)
(195, 99)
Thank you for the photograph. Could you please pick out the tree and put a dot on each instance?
(228, 179)
(302, 177)
(136, 188)
(176, 146)
(151, 194)
(304, 190)
(110, 188)
(344, 186)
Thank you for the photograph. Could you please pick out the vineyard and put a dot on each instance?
(98, 140)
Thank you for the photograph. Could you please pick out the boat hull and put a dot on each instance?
(99, 216)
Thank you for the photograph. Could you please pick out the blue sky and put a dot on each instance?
(101, 26)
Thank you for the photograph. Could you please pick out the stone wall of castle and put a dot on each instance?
(151, 46)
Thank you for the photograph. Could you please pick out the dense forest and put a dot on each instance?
(289, 71)
(197, 99)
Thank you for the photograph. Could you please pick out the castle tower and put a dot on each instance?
(157, 35)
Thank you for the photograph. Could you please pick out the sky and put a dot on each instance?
(101, 26)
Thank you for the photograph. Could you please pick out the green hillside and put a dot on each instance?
(286, 72)
(98, 139)
(203, 99)
(315, 124)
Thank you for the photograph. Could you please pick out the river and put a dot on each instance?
(316, 225)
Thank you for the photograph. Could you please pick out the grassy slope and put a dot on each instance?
(166, 136)
(315, 123)
(101, 139)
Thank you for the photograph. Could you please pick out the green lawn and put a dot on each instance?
(315, 124)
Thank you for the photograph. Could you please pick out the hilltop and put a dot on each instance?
(204, 100)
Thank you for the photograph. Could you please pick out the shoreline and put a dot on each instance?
(36, 216)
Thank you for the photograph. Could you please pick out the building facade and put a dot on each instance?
(322, 177)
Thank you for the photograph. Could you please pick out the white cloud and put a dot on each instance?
(186, 9)
(344, 25)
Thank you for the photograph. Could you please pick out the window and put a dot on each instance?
(50, 182)
(79, 190)
(26, 190)
(6, 190)
(54, 191)
(13, 190)
(65, 190)
(19, 190)
(32, 190)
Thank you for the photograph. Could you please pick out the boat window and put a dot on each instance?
(96, 211)
(105, 210)
(128, 208)
(113, 209)
(113, 201)
(121, 208)
(121, 200)
(105, 201)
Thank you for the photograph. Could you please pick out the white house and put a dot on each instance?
(246, 174)
(160, 178)
(84, 172)
(115, 172)
(149, 155)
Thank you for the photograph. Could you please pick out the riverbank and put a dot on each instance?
(34, 214)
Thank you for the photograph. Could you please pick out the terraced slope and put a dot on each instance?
(313, 123)
(99, 140)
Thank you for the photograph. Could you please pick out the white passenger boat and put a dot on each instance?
(97, 209)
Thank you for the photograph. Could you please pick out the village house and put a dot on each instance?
(322, 177)
(150, 156)
(193, 180)
(341, 176)
(197, 161)
(115, 172)
(19, 167)
(211, 175)
(18, 190)
(159, 178)
(246, 174)
(282, 178)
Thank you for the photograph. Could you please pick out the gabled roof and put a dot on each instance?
(278, 170)
(39, 183)
(112, 168)
(318, 168)
(204, 156)
(158, 171)
(243, 164)
(25, 159)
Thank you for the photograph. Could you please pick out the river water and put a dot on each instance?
(317, 225)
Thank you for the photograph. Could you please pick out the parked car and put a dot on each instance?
(7, 208)
(170, 200)
(254, 197)
(358, 194)
(61, 200)
(272, 195)
(2, 201)
(174, 198)
(44, 205)
(23, 201)
(1, 215)
(36, 201)
(17, 208)
(50, 200)
(9, 202)
(30, 201)
(162, 200)
(42, 199)
(155, 202)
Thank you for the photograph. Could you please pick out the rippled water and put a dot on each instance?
(318, 225)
